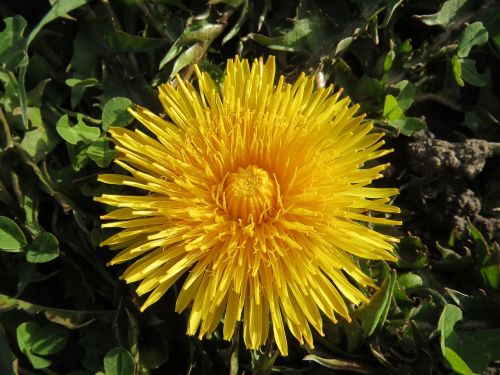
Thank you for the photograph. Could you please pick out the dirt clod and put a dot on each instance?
(430, 156)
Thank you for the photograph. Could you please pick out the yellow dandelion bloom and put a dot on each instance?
(254, 192)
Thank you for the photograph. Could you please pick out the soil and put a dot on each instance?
(441, 189)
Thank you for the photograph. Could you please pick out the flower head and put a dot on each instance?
(255, 192)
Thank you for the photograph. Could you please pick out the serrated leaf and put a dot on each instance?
(80, 132)
(44, 248)
(306, 34)
(171, 54)
(473, 35)
(190, 56)
(241, 19)
(341, 365)
(59, 8)
(201, 33)
(12, 43)
(119, 361)
(12, 238)
(115, 113)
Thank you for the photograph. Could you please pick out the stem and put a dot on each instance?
(439, 99)
(235, 346)
(263, 359)
(6, 128)
(156, 24)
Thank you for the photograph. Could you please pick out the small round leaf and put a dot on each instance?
(115, 113)
(119, 361)
(43, 249)
(11, 237)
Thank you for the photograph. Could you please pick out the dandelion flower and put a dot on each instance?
(255, 193)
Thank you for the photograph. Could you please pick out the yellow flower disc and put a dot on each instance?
(254, 191)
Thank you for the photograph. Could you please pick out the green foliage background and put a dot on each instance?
(70, 68)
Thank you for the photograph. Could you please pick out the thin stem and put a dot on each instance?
(6, 128)
(263, 359)
(439, 99)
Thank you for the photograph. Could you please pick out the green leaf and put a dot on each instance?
(492, 24)
(44, 248)
(467, 352)
(39, 142)
(473, 35)
(88, 82)
(241, 19)
(100, 152)
(392, 110)
(49, 339)
(412, 253)
(119, 361)
(390, 8)
(471, 75)
(491, 273)
(115, 113)
(12, 238)
(120, 41)
(35, 341)
(76, 133)
(68, 318)
(409, 125)
(59, 8)
(456, 362)
(448, 12)
(78, 155)
(190, 56)
(410, 280)
(12, 43)
(449, 316)
(406, 94)
(171, 54)
(456, 67)
(306, 34)
(201, 33)
(373, 315)
(339, 365)
(481, 247)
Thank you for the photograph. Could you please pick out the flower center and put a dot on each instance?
(250, 194)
